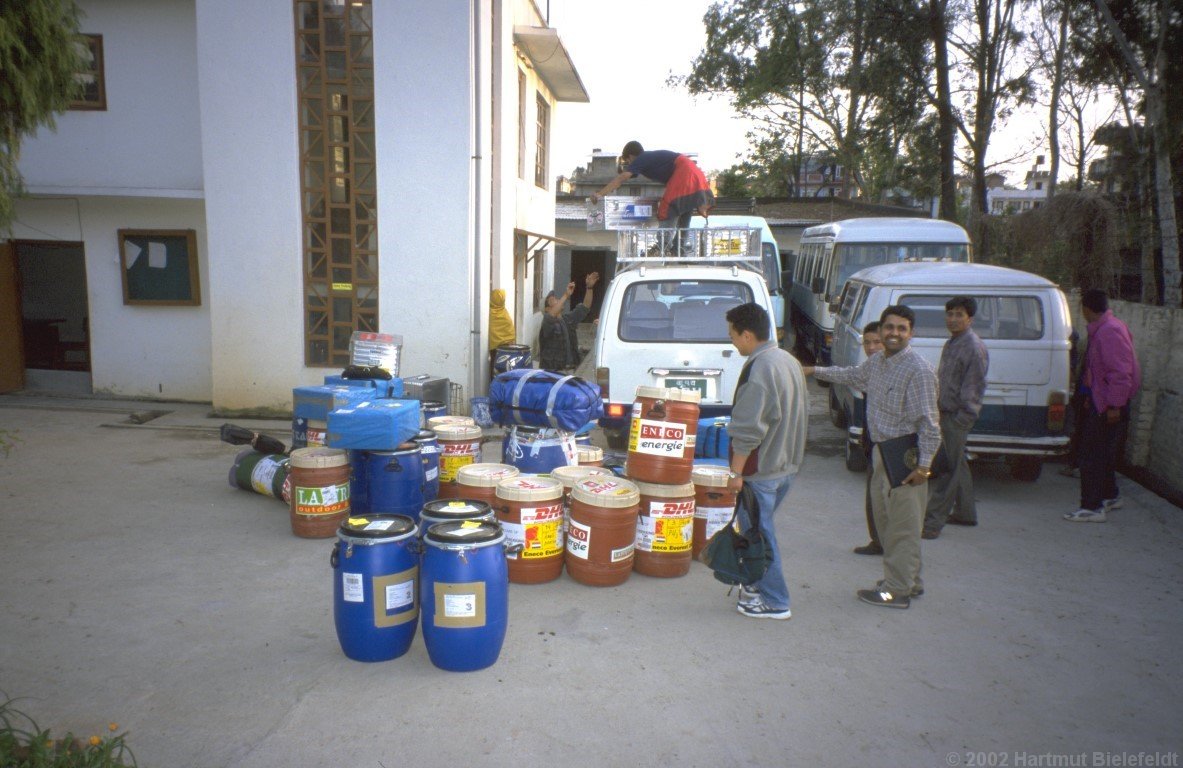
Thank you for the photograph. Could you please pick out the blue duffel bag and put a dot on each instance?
(538, 398)
(712, 441)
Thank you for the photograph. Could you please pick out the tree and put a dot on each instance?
(829, 73)
(38, 58)
(1148, 38)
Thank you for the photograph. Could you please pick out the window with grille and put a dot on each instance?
(541, 143)
(338, 177)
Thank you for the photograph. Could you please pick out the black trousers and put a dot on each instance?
(1099, 445)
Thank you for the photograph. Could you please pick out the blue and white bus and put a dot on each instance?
(831, 253)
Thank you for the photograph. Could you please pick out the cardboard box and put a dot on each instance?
(616, 212)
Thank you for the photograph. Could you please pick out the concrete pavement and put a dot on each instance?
(139, 588)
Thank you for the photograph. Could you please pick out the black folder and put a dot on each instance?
(901, 455)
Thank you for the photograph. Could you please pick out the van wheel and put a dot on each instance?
(1025, 468)
(617, 441)
(856, 460)
(837, 414)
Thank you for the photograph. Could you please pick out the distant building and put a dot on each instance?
(823, 176)
(1002, 200)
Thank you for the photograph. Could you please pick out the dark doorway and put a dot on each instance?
(583, 263)
(55, 316)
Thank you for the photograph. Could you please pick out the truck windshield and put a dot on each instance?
(680, 311)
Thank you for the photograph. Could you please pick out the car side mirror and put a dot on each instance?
(835, 305)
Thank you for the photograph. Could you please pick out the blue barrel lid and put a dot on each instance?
(464, 533)
(376, 526)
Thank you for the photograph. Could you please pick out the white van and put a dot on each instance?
(1023, 320)
(770, 263)
(831, 253)
(663, 321)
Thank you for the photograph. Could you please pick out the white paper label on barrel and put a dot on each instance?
(657, 438)
(578, 539)
(399, 595)
(664, 534)
(515, 539)
(353, 588)
(624, 553)
(716, 517)
(378, 525)
(263, 474)
(460, 606)
(432, 473)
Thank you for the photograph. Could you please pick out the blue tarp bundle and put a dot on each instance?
(538, 398)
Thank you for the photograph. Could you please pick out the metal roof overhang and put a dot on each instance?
(552, 62)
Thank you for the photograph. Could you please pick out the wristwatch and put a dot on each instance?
(925, 472)
(732, 475)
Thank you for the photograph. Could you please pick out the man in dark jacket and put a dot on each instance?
(558, 346)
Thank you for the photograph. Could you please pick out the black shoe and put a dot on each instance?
(869, 549)
(884, 598)
(930, 534)
(955, 521)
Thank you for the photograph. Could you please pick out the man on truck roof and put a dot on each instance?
(687, 190)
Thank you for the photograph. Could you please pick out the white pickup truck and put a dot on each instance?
(663, 320)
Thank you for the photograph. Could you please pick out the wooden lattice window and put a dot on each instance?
(338, 175)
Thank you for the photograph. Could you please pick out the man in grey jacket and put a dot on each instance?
(769, 418)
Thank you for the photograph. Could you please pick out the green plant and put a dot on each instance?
(23, 744)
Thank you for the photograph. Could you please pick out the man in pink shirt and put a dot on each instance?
(1110, 381)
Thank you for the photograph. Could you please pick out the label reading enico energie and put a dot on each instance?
(322, 500)
(669, 527)
(657, 438)
(539, 533)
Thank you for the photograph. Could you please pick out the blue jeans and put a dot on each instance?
(771, 494)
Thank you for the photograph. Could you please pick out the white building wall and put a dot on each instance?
(148, 140)
(248, 122)
(431, 277)
(153, 352)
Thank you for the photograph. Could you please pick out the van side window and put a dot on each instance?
(850, 298)
(1017, 318)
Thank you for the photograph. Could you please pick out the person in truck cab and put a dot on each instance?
(687, 190)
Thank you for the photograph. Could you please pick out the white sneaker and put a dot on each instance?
(748, 596)
(1114, 503)
(1087, 516)
(759, 610)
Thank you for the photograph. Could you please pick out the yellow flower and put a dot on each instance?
(112, 726)
(95, 741)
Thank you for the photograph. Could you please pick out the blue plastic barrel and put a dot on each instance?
(465, 594)
(375, 573)
(536, 450)
(396, 481)
(429, 445)
(430, 408)
(359, 483)
(508, 357)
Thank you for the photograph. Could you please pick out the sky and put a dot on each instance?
(625, 65)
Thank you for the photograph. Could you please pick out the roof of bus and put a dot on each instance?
(953, 274)
(729, 220)
(890, 230)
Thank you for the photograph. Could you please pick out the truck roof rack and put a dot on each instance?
(708, 246)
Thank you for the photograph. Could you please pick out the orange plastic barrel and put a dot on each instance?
(591, 456)
(530, 510)
(320, 491)
(479, 481)
(714, 503)
(603, 530)
(460, 445)
(665, 529)
(661, 435)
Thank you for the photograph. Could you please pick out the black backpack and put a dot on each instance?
(739, 557)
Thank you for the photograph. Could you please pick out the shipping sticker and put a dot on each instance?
(578, 539)
(671, 508)
(657, 438)
(357, 522)
(515, 539)
(379, 525)
(322, 500)
(450, 466)
(542, 531)
(624, 553)
(353, 588)
(399, 595)
(461, 449)
(460, 606)
(716, 517)
(432, 473)
(316, 437)
(468, 523)
(263, 474)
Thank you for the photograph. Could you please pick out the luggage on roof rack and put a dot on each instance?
(711, 245)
